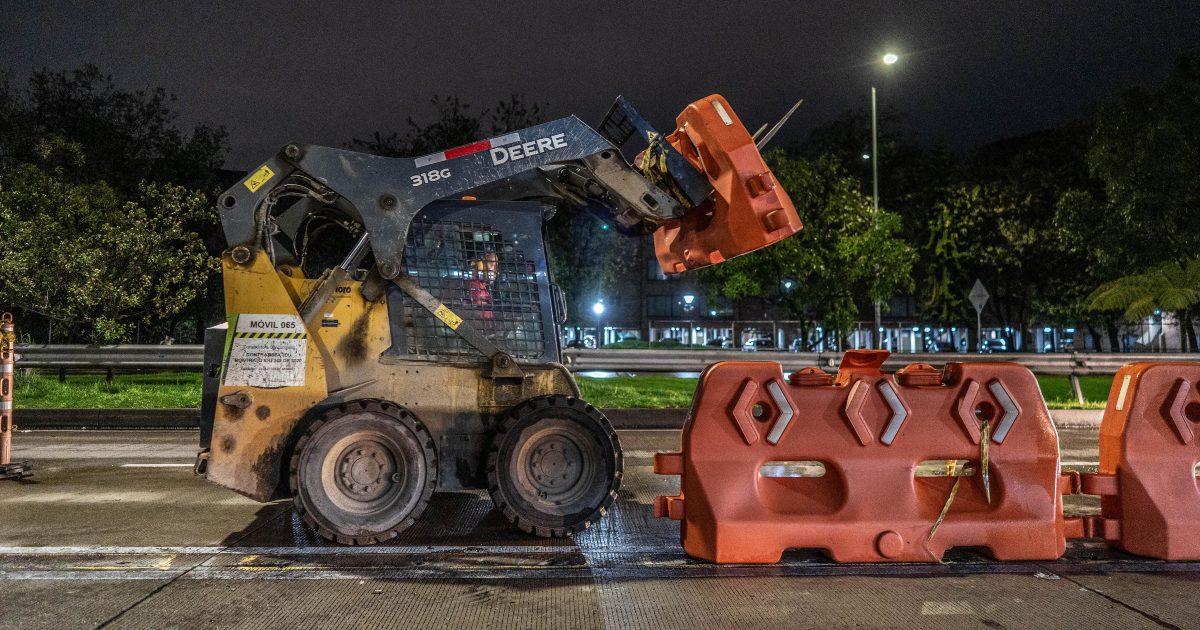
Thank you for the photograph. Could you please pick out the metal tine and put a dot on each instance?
(771, 134)
(759, 132)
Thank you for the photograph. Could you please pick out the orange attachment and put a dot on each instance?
(747, 210)
(1149, 450)
(866, 467)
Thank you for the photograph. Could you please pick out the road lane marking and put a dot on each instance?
(946, 608)
(128, 496)
(318, 551)
(110, 451)
(89, 575)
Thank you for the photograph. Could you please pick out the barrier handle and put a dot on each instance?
(1099, 484)
(668, 463)
(1069, 483)
(669, 507)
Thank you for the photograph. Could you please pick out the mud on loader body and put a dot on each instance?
(393, 323)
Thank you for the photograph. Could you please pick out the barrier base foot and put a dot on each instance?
(16, 470)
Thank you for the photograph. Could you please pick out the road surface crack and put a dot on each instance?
(161, 587)
(1152, 617)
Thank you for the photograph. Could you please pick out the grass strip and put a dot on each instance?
(182, 390)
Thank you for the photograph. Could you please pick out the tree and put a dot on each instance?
(1167, 287)
(1132, 211)
(90, 260)
(453, 125)
(115, 153)
(1019, 218)
(845, 256)
(1146, 151)
(125, 137)
(1088, 255)
(985, 232)
(911, 175)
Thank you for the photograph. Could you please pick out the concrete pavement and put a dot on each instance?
(115, 531)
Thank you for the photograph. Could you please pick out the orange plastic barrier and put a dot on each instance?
(869, 432)
(747, 210)
(1149, 449)
(8, 337)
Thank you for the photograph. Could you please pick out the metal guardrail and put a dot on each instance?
(81, 357)
(191, 357)
(1050, 364)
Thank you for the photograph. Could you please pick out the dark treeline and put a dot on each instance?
(1089, 224)
(108, 231)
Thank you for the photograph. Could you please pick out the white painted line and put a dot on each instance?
(156, 465)
(946, 608)
(89, 575)
(380, 550)
(295, 573)
(88, 498)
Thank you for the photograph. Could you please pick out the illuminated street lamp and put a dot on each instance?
(598, 311)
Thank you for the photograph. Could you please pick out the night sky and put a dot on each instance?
(324, 72)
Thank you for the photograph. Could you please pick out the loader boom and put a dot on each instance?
(706, 191)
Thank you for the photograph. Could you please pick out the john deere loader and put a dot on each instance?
(393, 322)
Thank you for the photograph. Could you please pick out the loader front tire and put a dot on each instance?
(554, 466)
(363, 472)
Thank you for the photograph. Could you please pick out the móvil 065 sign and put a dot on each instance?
(265, 351)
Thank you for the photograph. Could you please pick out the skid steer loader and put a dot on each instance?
(393, 324)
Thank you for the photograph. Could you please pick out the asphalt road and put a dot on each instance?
(115, 531)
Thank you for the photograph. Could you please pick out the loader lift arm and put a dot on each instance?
(387, 193)
(703, 189)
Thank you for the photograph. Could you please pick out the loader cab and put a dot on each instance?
(486, 261)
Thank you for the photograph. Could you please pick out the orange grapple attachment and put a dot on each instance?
(747, 210)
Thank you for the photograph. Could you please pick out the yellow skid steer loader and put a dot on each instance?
(393, 324)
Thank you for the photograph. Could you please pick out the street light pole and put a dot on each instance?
(875, 198)
(874, 151)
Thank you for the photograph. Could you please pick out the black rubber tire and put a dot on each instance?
(547, 441)
(363, 472)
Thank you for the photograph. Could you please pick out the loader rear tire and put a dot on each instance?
(554, 467)
(363, 472)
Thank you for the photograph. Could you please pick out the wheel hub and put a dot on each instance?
(366, 471)
(555, 466)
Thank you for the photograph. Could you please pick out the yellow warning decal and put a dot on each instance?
(260, 177)
(448, 317)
